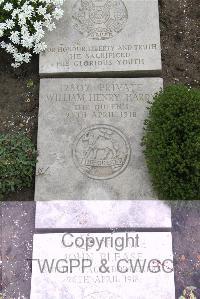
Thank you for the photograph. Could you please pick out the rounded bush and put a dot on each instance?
(172, 143)
(17, 162)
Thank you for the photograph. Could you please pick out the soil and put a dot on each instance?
(180, 41)
(19, 102)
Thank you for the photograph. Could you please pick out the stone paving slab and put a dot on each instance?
(77, 266)
(16, 239)
(102, 214)
(89, 139)
(104, 37)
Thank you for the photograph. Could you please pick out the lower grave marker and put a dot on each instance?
(102, 214)
(123, 265)
(89, 139)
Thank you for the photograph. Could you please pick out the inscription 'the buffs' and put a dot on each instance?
(101, 152)
(99, 19)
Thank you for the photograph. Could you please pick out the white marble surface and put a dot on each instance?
(155, 278)
(103, 214)
(102, 37)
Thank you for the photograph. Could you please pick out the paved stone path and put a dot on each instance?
(18, 225)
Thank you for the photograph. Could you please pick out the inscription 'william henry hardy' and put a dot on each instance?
(89, 139)
(104, 36)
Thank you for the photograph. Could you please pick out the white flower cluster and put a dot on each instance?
(24, 24)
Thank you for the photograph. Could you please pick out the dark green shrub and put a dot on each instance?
(17, 162)
(172, 143)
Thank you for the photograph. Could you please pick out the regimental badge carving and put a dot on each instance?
(101, 152)
(99, 19)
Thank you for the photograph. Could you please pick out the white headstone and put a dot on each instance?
(104, 36)
(103, 266)
(89, 139)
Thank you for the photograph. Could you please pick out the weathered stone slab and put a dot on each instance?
(89, 139)
(104, 36)
(106, 214)
(103, 266)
